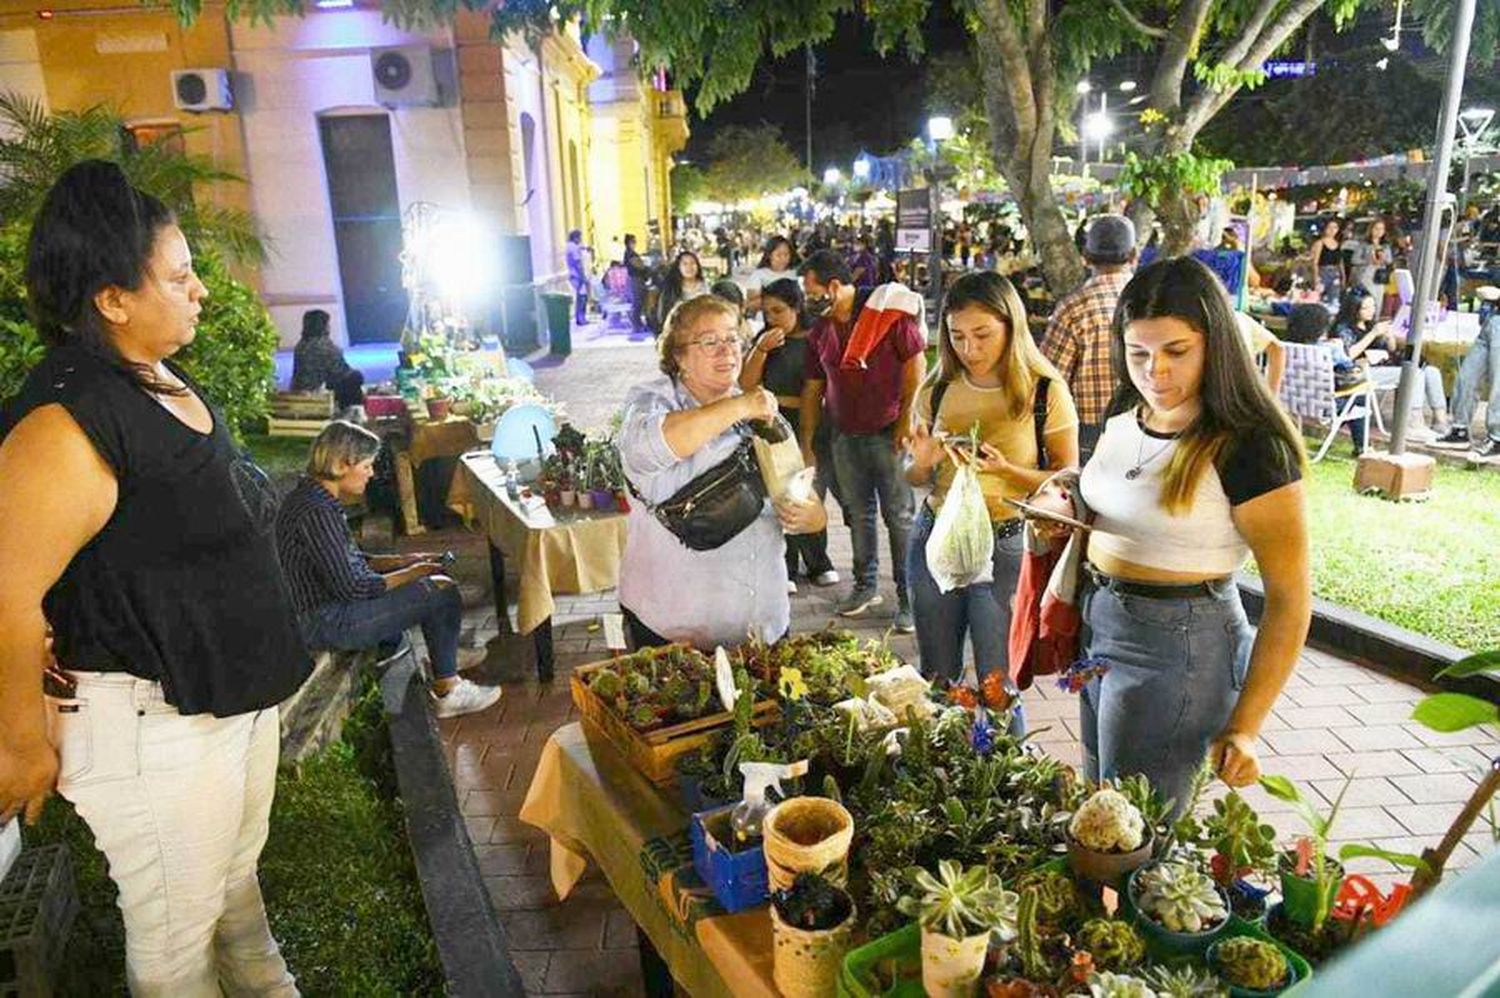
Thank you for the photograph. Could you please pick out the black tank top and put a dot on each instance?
(182, 585)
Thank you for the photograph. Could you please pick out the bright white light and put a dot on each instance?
(1138, 99)
(1083, 87)
(334, 4)
(1097, 125)
(1126, 86)
(862, 168)
(832, 175)
(1391, 44)
(940, 128)
(461, 257)
(1475, 115)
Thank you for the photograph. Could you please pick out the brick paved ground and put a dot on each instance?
(1335, 720)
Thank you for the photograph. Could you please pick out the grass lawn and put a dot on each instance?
(340, 886)
(1431, 567)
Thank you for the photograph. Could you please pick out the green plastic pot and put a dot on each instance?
(1293, 975)
(1299, 895)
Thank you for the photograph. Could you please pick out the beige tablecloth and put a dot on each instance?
(579, 553)
(594, 806)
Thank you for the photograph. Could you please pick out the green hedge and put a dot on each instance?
(233, 356)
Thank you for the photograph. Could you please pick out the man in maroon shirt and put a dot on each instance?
(866, 359)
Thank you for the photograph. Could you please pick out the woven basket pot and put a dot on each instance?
(807, 835)
(806, 963)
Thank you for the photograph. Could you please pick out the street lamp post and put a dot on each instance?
(1437, 195)
(939, 130)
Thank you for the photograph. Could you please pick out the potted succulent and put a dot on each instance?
(1243, 846)
(1107, 837)
(960, 911)
(1181, 909)
(1183, 981)
(812, 924)
(1107, 985)
(1059, 902)
(1251, 967)
(1114, 944)
(566, 490)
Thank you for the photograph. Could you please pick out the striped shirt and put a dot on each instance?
(318, 555)
(1078, 343)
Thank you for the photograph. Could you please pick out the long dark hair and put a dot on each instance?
(789, 293)
(93, 231)
(771, 244)
(673, 281)
(1349, 305)
(1235, 400)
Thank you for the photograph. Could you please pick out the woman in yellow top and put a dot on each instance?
(991, 379)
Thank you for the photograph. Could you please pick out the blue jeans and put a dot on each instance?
(1176, 668)
(868, 468)
(981, 611)
(359, 624)
(1481, 364)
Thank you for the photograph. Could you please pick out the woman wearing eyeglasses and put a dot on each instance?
(689, 421)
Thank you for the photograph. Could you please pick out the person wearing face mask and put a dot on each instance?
(865, 354)
(1198, 469)
(348, 600)
(993, 382)
(131, 524)
(778, 362)
(680, 429)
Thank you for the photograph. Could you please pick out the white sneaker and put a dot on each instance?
(791, 588)
(464, 697)
(825, 579)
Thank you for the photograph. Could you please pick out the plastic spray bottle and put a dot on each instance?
(760, 777)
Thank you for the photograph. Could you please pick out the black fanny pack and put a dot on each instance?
(717, 505)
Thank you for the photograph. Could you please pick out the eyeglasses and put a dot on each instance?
(713, 344)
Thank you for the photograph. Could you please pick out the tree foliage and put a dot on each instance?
(1027, 55)
(747, 161)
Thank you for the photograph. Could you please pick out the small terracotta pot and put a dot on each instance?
(585, 499)
(1106, 867)
(568, 497)
(438, 409)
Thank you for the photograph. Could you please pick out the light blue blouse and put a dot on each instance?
(706, 598)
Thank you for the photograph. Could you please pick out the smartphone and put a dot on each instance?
(1038, 513)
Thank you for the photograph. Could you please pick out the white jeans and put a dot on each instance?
(180, 807)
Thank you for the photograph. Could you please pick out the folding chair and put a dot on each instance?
(1308, 392)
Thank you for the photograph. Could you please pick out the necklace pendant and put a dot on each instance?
(1133, 474)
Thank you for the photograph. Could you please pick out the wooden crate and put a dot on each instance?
(653, 753)
(307, 428)
(302, 405)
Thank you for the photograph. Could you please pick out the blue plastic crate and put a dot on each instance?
(738, 879)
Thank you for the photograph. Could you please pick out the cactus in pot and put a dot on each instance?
(1114, 945)
(1180, 897)
(1253, 964)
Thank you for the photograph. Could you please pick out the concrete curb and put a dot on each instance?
(471, 942)
(1375, 644)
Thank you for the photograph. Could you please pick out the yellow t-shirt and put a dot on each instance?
(964, 405)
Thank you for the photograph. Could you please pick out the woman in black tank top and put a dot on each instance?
(131, 525)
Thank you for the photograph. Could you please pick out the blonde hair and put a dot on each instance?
(683, 321)
(1022, 364)
(340, 443)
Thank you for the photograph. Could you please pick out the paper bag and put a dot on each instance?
(778, 463)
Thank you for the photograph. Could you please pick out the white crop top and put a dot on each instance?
(1130, 523)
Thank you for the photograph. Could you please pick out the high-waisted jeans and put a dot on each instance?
(1175, 669)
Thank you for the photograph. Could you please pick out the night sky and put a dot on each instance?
(862, 101)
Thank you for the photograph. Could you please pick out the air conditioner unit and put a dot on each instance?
(406, 77)
(202, 90)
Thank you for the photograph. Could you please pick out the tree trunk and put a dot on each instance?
(1021, 134)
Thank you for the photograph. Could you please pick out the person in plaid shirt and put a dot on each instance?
(1078, 334)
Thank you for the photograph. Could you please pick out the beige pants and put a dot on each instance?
(180, 806)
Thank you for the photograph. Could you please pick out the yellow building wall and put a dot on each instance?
(91, 55)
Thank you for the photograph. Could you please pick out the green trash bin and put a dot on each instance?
(558, 307)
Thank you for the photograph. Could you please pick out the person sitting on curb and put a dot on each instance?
(348, 600)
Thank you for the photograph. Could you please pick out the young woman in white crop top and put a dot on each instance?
(1197, 470)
